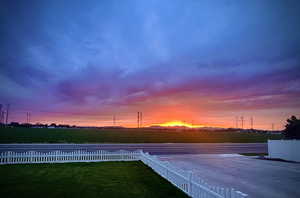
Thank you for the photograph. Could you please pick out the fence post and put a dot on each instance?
(8, 157)
(232, 194)
(227, 193)
(190, 177)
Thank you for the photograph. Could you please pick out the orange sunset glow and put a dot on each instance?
(179, 124)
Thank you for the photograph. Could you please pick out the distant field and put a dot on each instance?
(31, 135)
(104, 179)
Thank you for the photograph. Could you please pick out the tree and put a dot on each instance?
(14, 124)
(52, 125)
(292, 128)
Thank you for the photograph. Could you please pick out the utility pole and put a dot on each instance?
(7, 110)
(1, 115)
(114, 120)
(251, 122)
(141, 119)
(28, 117)
(138, 119)
(272, 126)
(242, 119)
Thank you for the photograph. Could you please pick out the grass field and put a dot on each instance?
(104, 179)
(35, 135)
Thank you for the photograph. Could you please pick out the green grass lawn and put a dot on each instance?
(101, 180)
(32, 135)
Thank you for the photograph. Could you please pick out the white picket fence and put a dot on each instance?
(187, 182)
(184, 180)
(63, 157)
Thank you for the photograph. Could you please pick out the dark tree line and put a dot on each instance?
(292, 128)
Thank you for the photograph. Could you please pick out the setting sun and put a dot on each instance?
(179, 124)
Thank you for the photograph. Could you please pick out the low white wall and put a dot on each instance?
(284, 149)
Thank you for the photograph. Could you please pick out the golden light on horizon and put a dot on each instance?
(179, 124)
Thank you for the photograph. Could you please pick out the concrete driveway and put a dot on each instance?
(255, 177)
(152, 148)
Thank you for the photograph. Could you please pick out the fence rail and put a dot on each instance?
(184, 180)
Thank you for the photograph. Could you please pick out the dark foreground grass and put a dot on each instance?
(33, 135)
(101, 180)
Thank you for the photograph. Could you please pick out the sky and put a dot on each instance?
(203, 62)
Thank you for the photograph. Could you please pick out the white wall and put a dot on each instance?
(284, 149)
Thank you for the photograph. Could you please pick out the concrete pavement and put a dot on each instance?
(156, 149)
(255, 177)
